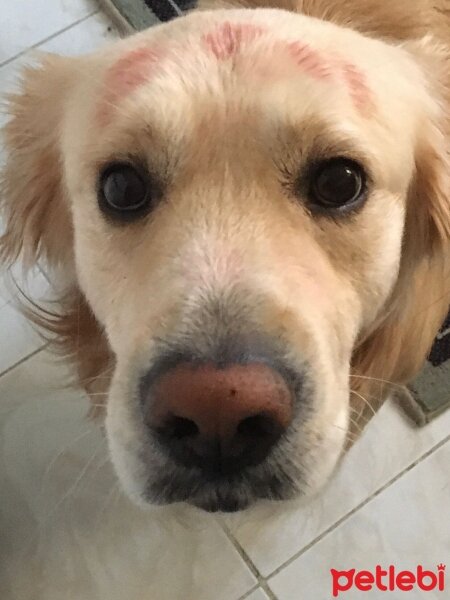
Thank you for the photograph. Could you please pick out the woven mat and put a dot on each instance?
(135, 15)
(429, 394)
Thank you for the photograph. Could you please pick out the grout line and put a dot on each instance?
(263, 585)
(47, 39)
(22, 360)
(265, 589)
(250, 592)
(359, 507)
(268, 591)
(242, 553)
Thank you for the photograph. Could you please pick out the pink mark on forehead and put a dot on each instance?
(310, 61)
(136, 67)
(323, 67)
(358, 88)
(228, 39)
(131, 71)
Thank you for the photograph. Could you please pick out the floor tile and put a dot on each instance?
(271, 534)
(84, 37)
(405, 526)
(67, 532)
(17, 337)
(24, 24)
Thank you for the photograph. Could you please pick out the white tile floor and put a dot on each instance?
(66, 531)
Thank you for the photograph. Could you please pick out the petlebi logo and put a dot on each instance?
(388, 580)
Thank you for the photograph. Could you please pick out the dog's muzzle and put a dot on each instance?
(216, 419)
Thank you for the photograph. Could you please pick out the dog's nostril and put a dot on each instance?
(257, 426)
(219, 419)
(179, 428)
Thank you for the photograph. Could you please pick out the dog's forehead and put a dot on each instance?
(224, 66)
(247, 47)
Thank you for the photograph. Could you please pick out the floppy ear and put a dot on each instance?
(396, 350)
(36, 215)
(32, 200)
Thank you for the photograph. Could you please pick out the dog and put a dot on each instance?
(251, 208)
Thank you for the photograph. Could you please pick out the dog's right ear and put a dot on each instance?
(33, 203)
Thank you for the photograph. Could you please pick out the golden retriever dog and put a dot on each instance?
(251, 206)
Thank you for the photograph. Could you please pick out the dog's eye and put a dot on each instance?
(337, 183)
(125, 192)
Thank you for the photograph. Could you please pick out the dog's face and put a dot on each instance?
(238, 183)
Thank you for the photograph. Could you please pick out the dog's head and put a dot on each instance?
(254, 205)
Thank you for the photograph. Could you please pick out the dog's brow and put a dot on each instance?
(229, 38)
(131, 71)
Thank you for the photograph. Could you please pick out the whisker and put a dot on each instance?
(366, 402)
(100, 465)
(77, 481)
(28, 545)
(377, 379)
(356, 421)
(349, 436)
(359, 423)
(111, 496)
(60, 453)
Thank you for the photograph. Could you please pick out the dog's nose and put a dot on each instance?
(219, 419)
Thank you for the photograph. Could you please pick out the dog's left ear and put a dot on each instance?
(428, 211)
(36, 214)
(397, 348)
(33, 200)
